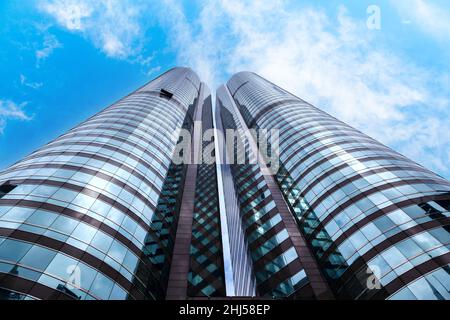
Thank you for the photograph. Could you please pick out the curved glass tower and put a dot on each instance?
(376, 223)
(93, 214)
(118, 208)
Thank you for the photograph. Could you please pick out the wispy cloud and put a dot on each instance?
(9, 110)
(433, 18)
(50, 44)
(195, 47)
(333, 61)
(330, 61)
(114, 26)
(33, 85)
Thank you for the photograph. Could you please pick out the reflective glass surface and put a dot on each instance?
(92, 213)
(367, 212)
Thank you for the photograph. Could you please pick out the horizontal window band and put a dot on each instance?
(144, 105)
(244, 175)
(103, 145)
(251, 103)
(249, 227)
(355, 227)
(301, 137)
(289, 129)
(280, 276)
(143, 262)
(133, 99)
(85, 191)
(262, 238)
(325, 146)
(252, 185)
(148, 129)
(135, 114)
(294, 109)
(75, 215)
(152, 123)
(361, 261)
(112, 131)
(272, 254)
(131, 171)
(139, 107)
(268, 108)
(75, 253)
(258, 193)
(334, 169)
(260, 206)
(381, 156)
(298, 116)
(173, 100)
(320, 124)
(294, 149)
(342, 184)
(111, 137)
(119, 130)
(195, 84)
(237, 89)
(46, 152)
(34, 289)
(295, 112)
(269, 215)
(94, 174)
(363, 195)
(412, 275)
(335, 155)
(359, 175)
(149, 125)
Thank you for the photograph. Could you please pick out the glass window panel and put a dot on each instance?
(84, 232)
(38, 257)
(12, 250)
(42, 218)
(423, 290)
(118, 293)
(117, 251)
(61, 265)
(102, 287)
(101, 241)
(64, 224)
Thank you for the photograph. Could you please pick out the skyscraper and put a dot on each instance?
(146, 201)
(95, 213)
(369, 223)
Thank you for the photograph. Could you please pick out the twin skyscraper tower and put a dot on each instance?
(295, 204)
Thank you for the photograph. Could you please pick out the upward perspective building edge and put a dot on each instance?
(106, 211)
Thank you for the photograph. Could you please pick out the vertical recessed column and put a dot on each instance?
(317, 281)
(179, 269)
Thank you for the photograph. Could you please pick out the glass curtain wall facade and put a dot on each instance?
(276, 248)
(206, 275)
(241, 269)
(377, 223)
(93, 214)
(105, 212)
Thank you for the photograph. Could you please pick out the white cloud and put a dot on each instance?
(33, 85)
(334, 62)
(431, 17)
(9, 110)
(193, 50)
(70, 14)
(331, 61)
(50, 43)
(154, 71)
(114, 26)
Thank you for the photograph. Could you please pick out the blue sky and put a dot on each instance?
(62, 61)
